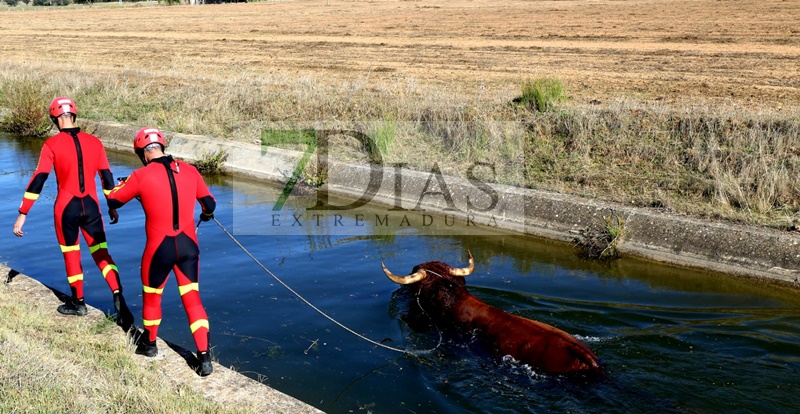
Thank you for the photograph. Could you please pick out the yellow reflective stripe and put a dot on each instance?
(188, 288)
(74, 278)
(106, 192)
(97, 247)
(109, 268)
(148, 289)
(74, 248)
(200, 323)
(151, 322)
(30, 196)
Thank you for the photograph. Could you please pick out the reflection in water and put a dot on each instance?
(672, 339)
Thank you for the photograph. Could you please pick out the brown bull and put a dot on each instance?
(441, 293)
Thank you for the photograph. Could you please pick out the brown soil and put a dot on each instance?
(746, 51)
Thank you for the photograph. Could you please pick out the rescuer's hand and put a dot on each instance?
(206, 217)
(114, 215)
(18, 225)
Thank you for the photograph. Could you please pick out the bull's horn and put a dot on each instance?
(464, 271)
(405, 280)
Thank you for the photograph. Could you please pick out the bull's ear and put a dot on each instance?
(464, 271)
(405, 280)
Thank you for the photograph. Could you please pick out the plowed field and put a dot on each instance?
(747, 51)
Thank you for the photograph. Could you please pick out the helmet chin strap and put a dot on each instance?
(55, 120)
(140, 153)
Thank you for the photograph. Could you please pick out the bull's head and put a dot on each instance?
(442, 297)
(421, 273)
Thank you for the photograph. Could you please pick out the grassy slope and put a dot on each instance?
(57, 364)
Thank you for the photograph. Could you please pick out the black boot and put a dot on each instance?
(124, 315)
(73, 307)
(145, 346)
(205, 368)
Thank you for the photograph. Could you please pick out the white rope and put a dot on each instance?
(314, 307)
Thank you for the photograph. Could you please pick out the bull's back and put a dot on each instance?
(555, 351)
(537, 344)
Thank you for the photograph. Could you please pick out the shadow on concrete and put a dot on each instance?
(63, 298)
(191, 360)
(11, 275)
(188, 356)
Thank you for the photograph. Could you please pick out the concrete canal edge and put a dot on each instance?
(225, 386)
(761, 254)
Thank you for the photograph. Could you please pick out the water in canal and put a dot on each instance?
(672, 340)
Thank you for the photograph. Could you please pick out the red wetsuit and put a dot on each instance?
(77, 158)
(168, 190)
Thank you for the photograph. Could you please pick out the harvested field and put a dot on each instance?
(670, 50)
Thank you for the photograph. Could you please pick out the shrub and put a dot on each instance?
(599, 241)
(29, 113)
(315, 174)
(12, 3)
(212, 162)
(542, 94)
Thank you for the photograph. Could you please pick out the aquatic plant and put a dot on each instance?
(211, 162)
(599, 240)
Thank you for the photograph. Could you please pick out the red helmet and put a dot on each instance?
(146, 136)
(61, 106)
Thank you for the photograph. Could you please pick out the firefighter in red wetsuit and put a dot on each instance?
(77, 158)
(167, 190)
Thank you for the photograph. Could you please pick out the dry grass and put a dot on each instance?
(719, 162)
(716, 161)
(54, 364)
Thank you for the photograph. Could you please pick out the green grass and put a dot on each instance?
(383, 132)
(542, 94)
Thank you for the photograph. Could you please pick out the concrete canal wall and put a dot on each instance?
(766, 255)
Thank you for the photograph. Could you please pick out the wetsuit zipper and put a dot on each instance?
(174, 189)
(80, 161)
